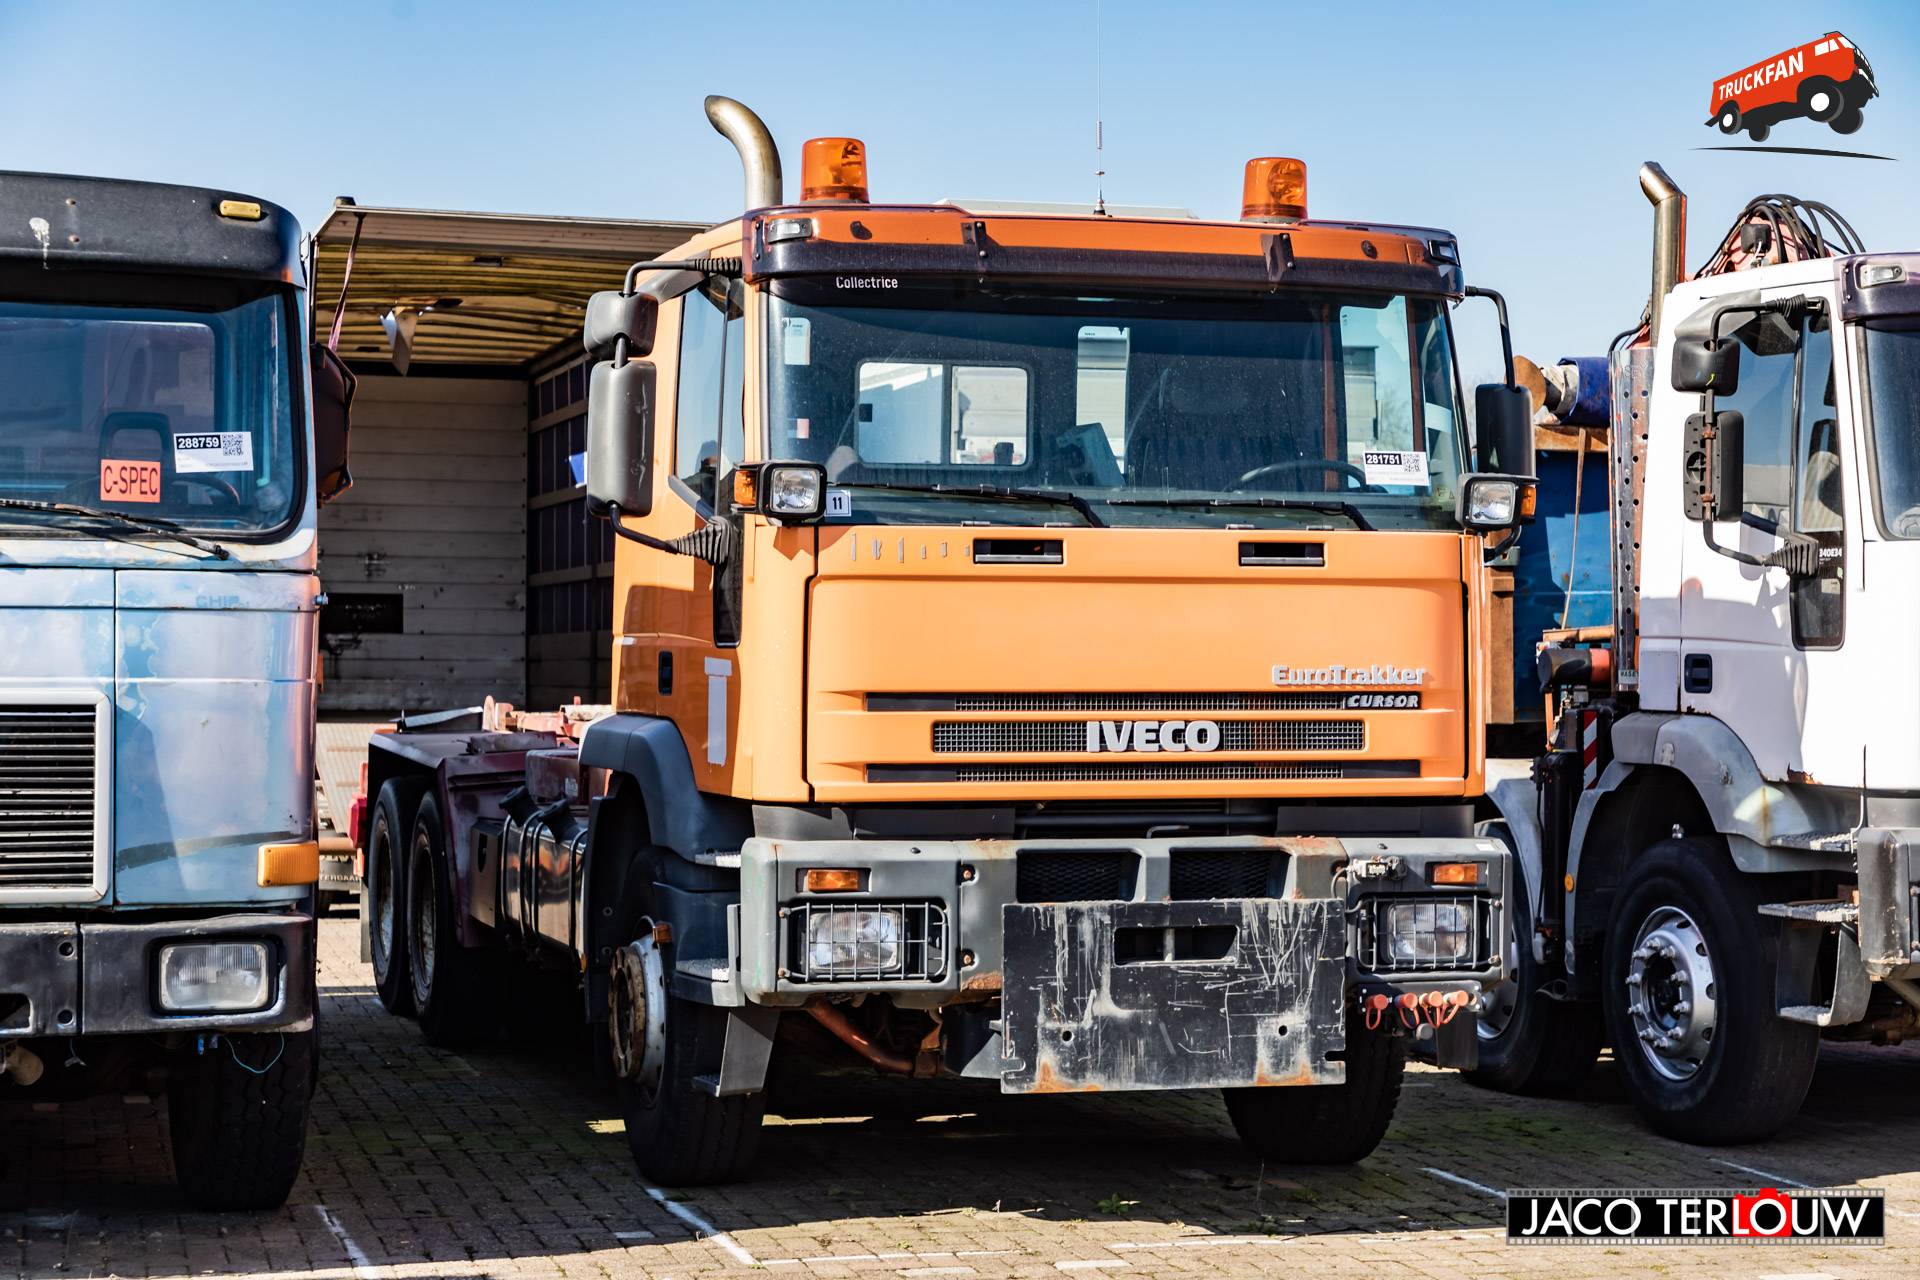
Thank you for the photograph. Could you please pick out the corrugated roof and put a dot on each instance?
(521, 280)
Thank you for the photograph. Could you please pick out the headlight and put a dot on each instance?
(1439, 934)
(848, 940)
(1492, 502)
(214, 977)
(795, 492)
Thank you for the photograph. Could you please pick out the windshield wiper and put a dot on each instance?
(1058, 497)
(1332, 506)
(149, 524)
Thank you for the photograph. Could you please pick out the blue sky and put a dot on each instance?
(1517, 126)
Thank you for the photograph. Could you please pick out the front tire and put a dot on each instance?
(1328, 1123)
(452, 995)
(680, 1134)
(1821, 99)
(1848, 121)
(1688, 989)
(1529, 1042)
(238, 1118)
(385, 897)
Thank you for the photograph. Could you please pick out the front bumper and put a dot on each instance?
(97, 977)
(1149, 963)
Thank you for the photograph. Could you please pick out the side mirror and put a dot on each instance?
(333, 388)
(1699, 366)
(620, 438)
(1503, 426)
(1715, 465)
(612, 315)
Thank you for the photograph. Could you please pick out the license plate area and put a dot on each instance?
(1172, 995)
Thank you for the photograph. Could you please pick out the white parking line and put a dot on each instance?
(1093, 1264)
(702, 1227)
(362, 1264)
(1778, 1179)
(1481, 1187)
(1200, 1242)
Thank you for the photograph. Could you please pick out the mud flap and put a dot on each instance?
(1172, 995)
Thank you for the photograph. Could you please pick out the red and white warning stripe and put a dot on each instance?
(1589, 750)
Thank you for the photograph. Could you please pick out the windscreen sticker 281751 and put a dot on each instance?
(206, 451)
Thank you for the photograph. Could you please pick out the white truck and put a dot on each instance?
(1718, 853)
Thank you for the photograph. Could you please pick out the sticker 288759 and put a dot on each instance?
(205, 451)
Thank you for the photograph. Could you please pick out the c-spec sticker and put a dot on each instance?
(1390, 466)
(1382, 702)
(213, 451)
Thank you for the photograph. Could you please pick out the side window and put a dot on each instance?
(708, 418)
(1765, 401)
(1819, 615)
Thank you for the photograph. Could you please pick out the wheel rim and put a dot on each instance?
(1498, 1002)
(425, 929)
(1671, 993)
(637, 1015)
(1819, 103)
(385, 883)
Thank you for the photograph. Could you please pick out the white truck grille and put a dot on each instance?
(51, 826)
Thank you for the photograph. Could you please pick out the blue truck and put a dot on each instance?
(166, 434)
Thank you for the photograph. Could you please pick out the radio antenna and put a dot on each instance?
(1099, 124)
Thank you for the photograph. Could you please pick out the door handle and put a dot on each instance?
(1697, 673)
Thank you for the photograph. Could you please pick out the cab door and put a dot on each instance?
(679, 619)
(1762, 651)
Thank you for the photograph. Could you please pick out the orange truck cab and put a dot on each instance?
(1049, 649)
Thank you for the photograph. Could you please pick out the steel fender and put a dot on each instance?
(1611, 780)
(1512, 791)
(651, 751)
(1767, 825)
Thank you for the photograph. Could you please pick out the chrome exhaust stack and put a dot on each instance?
(758, 156)
(1669, 237)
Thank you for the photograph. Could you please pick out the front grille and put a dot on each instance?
(1115, 702)
(983, 736)
(1076, 875)
(1372, 935)
(922, 951)
(1221, 873)
(47, 818)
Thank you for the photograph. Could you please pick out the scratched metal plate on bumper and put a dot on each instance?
(1172, 995)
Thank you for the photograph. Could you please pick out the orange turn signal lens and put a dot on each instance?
(1529, 495)
(1456, 873)
(1276, 187)
(833, 880)
(746, 489)
(834, 169)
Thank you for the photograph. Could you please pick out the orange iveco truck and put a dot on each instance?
(1049, 649)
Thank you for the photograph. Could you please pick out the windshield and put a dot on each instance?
(177, 414)
(1281, 409)
(1893, 399)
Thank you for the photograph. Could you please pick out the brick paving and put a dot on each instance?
(512, 1163)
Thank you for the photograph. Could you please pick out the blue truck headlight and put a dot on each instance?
(848, 940)
(1429, 933)
(214, 977)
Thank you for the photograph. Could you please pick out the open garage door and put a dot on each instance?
(464, 331)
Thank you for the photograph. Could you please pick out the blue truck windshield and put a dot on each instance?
(183, 415)
(1288, 409)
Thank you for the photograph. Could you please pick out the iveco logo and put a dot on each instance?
(1153, 735)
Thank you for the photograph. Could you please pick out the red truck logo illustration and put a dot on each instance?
(1826, 80)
